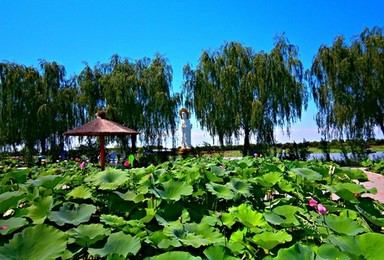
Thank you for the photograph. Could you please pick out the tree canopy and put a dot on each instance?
(235, 91)
(36, 105)
(347, 85)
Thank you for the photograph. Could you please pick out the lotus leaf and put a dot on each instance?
(273, 218)
(118, 243)
(240, 186)
(272, 168)
(48, 182)
(371, 245)
(109, 179)
(248, 217)
(221, 191)
(38, 242)
(218, 252)
(174, 255)
(228, 219)
(328, 251)
(173, 190)
(178, 231)
(40, 209)
(11, 225)
(160, 240)
(72, 213)
(297, 251)
(212, 207)
(168, 243)
(80, 192)
(269, 179)
(343, 225)
(218, 171)
(286, 186)
(210, 233)
(236, 241)
(87, 235)
(213, 177)
(369, 215)
(130, 196)
(9, 200)
(349, 186)
(211, 220)
(242, 164)
(19, 176)
(168, 213)
(194, 240)
(149, 215)
(287, 213)
(355, 174)
(307, 173)
(269, 240)
(346, 244)
(113, 220)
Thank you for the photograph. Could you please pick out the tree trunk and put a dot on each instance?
(43, 146)
(221, 141)
(246, 142)
(133, 140)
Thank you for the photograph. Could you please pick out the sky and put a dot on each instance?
(73, 33)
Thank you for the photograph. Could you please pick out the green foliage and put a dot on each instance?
(37, 242)
(118, 244)
(109, 179)
(71, 213)
(234, 89)
(197, 208)
(374, 166)
(37, 106)
(346, 82)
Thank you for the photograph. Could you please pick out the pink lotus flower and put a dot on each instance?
(127, 164)
(321, 209)
(312, 203)
(82, 165)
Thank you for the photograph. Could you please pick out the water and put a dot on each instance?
(340, 156)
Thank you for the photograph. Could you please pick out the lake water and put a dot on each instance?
(340, 156)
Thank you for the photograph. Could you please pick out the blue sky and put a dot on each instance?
(74, 32)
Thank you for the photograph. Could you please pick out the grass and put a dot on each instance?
(375, 148)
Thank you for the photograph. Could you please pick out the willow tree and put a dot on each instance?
(16, 118)
(158, 103)
(138, 94)
(91, 96)
(45, 103)
(36, 105)
(234, 91)
(347, 85)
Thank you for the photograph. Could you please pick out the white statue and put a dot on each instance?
(186, 127)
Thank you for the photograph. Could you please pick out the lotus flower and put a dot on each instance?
(127, 164)
(82, 165)
(321, 209)
(65, 187)
(312, 203)
(9, 212)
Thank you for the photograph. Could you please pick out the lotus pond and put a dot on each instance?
(197, 208)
